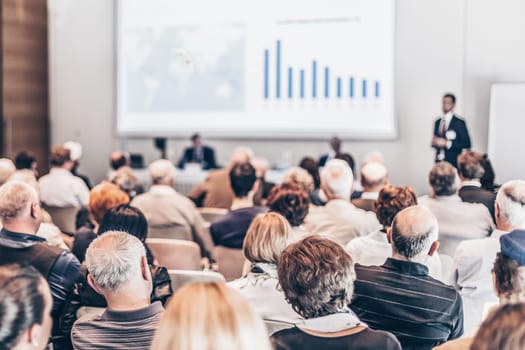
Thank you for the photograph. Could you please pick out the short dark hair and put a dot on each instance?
(502, 329)
(242, 179)
(118, 160)
(487, 180)
(59, 156)
(125, 218)
(391, 200)
(291, 201)
(509, 276)
(22, 302)
(310, 165)
(24, 160)
(317, 276)
(451, 96)
(442, 178)
(194, 137)
(469, 165)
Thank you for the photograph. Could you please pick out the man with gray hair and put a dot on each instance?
(374, 176)
(7, 168)
(20, 214)
(399, 296)
(118, 270)
(339, 219)
(215, 191)
(472, 267)
(170, 214)
(457, 220)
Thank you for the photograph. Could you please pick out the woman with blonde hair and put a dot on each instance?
(267, 236)
(210, 316)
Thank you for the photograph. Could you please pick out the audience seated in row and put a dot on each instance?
(399, 296)
(374, 176)
(230, 229)
(457, 220)
(215, 191)
(7, 168)
(323, 269)
(170, 214)
(118, 270)
(473, 262)
(339, 219)
(26, 160)
(292, 202)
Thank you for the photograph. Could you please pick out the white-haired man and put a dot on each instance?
(118, 270)
(7, 168)
(472, 267)
(399, 296)
(339, 219)
(374, 176)
(215, 191)
(20, 214)
(170, 214)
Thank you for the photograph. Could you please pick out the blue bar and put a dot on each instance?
(326, 81)
(364, 88)
(278, 70)
(289, 82)
(377, 89)
(266, 72)
(314, 79)
(351, 83)
(338, 87)
(301, 82)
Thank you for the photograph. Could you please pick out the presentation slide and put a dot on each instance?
(272, 69)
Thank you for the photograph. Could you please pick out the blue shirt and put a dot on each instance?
(229, 230)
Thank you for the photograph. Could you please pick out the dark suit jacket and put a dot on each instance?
(474, 194)
(207, 161)
(461, 141)
(322, 161)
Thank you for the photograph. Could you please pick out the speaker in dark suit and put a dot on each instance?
(451, 135)
(199, 153)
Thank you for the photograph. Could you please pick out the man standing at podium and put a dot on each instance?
(199, 153)
(450, 133)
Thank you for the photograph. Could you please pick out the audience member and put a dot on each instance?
(230, 229)
(317, 278)
(457, 220)
(508, 280)
(399, 296)
(292, 202)
(470, 172)
(127, 181)
(487, 180)
(25, 308)
(502, 330)
(262, 166)
(374, 176)
(75, 150)
(347, 157)
(473, 261)
(7, 168)
(102, 197)
(300, 177)
(215, 191)
(20, 214)
(60, 188)
(26, 160)
(267, 237)
(198, 154)
(118, 270)
(335, 149)
(373, 157)
(374, 248)
(119, 159)
(310, 165)
(210, 316)
(339, 219)
(170, 214)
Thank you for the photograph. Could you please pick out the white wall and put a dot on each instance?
(441, 45)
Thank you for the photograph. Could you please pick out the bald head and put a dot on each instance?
(7, 168)
(162, 172)
(19, 207)
(374, 176)
(414, 231)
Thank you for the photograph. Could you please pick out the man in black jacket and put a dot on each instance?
(199, 153)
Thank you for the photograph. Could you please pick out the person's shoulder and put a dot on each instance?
(376, 338)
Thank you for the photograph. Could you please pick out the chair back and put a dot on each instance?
(170, 232)
(175, 253)
(210, 214)
(230, 262)
(180, 278)
(63, 217)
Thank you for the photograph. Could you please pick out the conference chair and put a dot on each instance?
(170, 232)
(63, 217)
(230, 262)
(210, 214)
(175, 253)
(180, 278)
